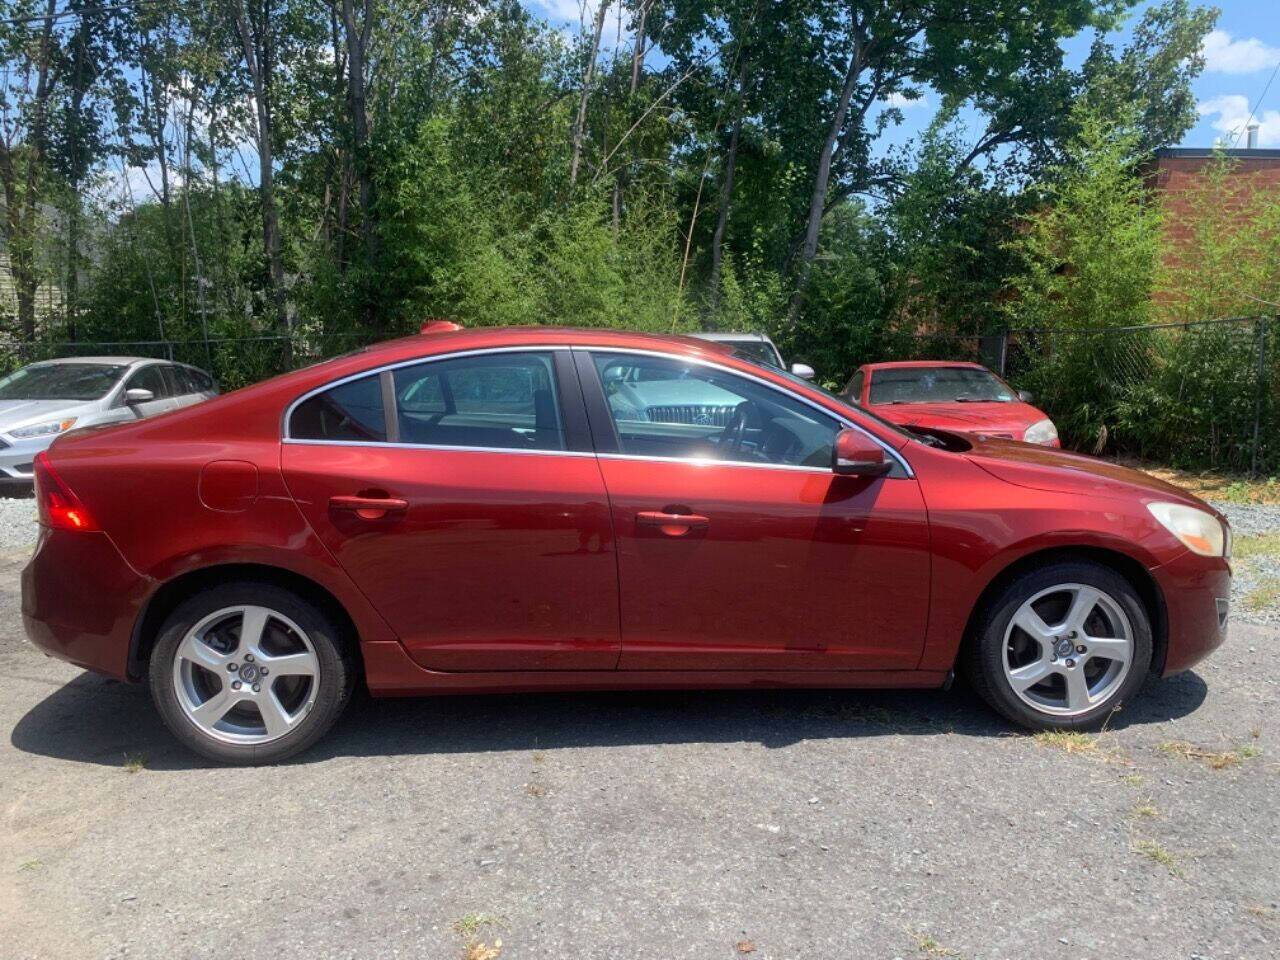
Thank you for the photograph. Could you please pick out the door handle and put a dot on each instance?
(672, 524)
(369, 508)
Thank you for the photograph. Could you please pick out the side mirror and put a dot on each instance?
(1025, 396)
(138, 395)
(857, 455)
(802, 370)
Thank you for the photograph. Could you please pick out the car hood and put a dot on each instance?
(1062, 471)
(987, 418)
(18, 413)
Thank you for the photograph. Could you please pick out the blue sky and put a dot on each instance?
(1240, 54)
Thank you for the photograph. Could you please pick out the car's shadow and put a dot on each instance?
(92, 720)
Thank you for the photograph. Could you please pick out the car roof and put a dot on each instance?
(487, 337)
(908, 364)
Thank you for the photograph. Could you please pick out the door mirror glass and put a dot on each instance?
(857, 455)
(138, 395)
(802, 370)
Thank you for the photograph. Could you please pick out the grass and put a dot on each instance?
(1132, 779)
(1213, 485)
(1256, 545)
(928, 944)
(1157, 854)
(535, 789)
(30, 865)
(1215, 759)
(1263, 595)
(135, 762)
(1147, 809)
(1068, 741)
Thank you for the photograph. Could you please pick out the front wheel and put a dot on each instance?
(1061, 647)
(249, 673)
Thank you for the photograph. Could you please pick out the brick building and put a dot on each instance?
(1176, 171)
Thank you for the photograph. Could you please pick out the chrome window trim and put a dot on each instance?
(388, 367)
(593, 348)
(734, 371)
(384, 445)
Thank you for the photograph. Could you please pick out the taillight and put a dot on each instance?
(58, 507)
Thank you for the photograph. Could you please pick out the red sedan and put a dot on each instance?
(950, 395)
(539, 509)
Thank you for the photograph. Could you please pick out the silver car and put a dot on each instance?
(758, 346)
(43, 400)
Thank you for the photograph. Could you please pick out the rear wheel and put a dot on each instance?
(1061, 647)
(249, 673)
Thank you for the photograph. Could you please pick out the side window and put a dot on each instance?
(497, 400)
(176, 379)
(667, 408)
(853, 391)
(350, 411)
(149, 378)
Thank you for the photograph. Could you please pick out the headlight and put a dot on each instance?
(1201, 532)
(44, 429)
(1042, 431)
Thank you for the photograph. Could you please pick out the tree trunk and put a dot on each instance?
(357, 37)
(580, 121)
(726, 191)
(257, 55)
(22, 222)
(817, 200)
(637, 66)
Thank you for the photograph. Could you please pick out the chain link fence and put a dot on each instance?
(1200, 394)
(1203, 394)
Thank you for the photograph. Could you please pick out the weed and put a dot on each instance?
(1258, 910)
(1257, 545)
(31, 865)
(1215, 759)
(1146, 809)
(469, 928)
(1132, 779)
(1256, 733)
(535, 789)
(1068, 741)
(1249, 751)
(928, 944)
(135, 763)
(1155, 852)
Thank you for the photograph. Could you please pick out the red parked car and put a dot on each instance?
(553, 509)
(949, 395)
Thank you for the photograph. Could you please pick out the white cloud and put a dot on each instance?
(902, 103)
(1223, 54)
(1231, 111)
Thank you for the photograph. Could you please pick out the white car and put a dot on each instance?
(41, 401)
(759, 347)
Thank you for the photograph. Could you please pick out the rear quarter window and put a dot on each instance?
(349, 412)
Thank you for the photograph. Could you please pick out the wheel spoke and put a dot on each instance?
(1082, 604)
(215, 708)
(201, 654)
(1108, 648)
(1032, 673)
(301, 664)
(252, 626)
(1077, 688)
(274, 717)
(1031, 623)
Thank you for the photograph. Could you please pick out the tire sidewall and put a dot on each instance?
(990, 643)
(335, 679)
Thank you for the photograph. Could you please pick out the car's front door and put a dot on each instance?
(738, 548)
(462, 497)
(146, 378)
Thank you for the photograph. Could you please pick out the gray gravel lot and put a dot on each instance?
(804, 825)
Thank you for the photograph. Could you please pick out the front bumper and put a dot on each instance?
(80, 600)
(17, 456)
(1196, 591)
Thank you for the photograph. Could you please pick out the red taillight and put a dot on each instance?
(57, 505)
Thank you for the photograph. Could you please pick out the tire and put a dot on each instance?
(1024, 657)
(252, 702)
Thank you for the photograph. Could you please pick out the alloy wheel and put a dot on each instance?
(1067, 649)
(246, 674)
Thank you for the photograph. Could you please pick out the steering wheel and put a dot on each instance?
(735, 430)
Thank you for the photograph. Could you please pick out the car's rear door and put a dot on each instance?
(462, 496)
(738, 548)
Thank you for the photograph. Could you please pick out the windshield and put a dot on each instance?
(938, 385)
(61, 381)
(759, 351)
(892, 428)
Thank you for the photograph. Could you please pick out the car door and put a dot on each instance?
(462, 497)
(738, 548)
(181, 385)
